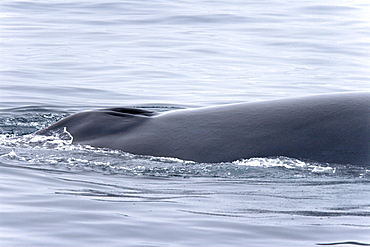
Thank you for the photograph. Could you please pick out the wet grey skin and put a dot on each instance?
(333, 128)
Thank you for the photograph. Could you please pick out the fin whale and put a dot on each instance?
(332, 128)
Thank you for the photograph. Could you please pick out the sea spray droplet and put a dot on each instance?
(10, 155)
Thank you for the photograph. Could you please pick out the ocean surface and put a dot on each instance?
(62, 57)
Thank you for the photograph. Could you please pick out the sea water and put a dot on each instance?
(61, 57)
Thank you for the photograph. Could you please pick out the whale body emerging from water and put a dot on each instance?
(333, 128)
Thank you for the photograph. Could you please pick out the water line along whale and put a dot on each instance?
(333, 128)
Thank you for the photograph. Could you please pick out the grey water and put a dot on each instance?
(61, 57)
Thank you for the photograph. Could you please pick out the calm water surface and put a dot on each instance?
(60, 57)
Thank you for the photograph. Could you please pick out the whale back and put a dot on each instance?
(331, 128)
(95, 124)
(326, 128)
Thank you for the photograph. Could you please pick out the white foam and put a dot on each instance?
(289, 163)
(272, 162)
(320, 169)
